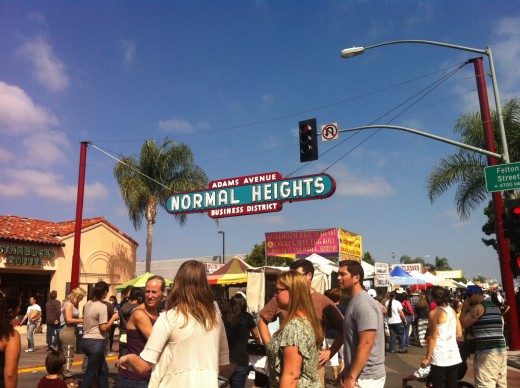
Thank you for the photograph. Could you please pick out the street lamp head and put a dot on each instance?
(352, 52)
(220, 232)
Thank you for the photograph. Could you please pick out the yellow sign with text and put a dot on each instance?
(350, 245)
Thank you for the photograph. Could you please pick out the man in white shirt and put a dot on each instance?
(33, 315)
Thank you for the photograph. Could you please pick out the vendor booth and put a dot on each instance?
(261, 281)
(140, 282)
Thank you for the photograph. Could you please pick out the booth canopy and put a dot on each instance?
(235, 271)
(401, 277)
(140, 282)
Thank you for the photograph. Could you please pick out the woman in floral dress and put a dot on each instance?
(293, 351)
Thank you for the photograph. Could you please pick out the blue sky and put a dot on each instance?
(232, 79)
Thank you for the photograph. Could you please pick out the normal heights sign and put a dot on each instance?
(251, 194)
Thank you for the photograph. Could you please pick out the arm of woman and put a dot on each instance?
(12, 355)
(433, 329)
(292, 366)
(140, 320)
(68, 315)
(104, 327)
(135, 362)
(401, 313)
(256, 335)
(459, 333)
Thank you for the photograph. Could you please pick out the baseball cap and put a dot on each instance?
(372, 293)
(474, 289)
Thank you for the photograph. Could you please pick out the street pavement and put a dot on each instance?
(32, 369)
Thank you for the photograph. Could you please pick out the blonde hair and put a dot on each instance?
(300, 301)
(423, 301)
(76, 295)
(192, 295)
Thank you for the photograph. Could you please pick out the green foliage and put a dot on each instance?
(257, 258)
(442, 264)
(405, 259)
(465, 169)
(479, 279)
(489, 227)
(367, 258)
(148, 179)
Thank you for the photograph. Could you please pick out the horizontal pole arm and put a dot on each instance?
(433, 43)
(425, 134)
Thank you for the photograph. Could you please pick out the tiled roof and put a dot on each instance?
(30, 230)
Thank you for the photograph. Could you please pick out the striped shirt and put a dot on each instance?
(488, 330)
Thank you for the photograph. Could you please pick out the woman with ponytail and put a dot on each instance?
(396, 321)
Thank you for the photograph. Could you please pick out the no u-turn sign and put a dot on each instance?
(329, 132)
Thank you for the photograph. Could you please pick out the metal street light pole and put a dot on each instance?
(223, 246)
(502, 243)
(354, 51)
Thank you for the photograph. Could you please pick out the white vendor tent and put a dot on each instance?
(368, 269)
(261, 281)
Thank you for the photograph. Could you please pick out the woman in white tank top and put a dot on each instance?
(443, 352)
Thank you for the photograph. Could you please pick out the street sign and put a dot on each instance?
(329, 132)
(262, 193)
(502, 177)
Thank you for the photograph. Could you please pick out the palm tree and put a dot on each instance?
(148, 180)
(442, 264)
(466, 168)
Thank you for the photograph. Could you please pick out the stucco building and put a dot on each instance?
(36, 255)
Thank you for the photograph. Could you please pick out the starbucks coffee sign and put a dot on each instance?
(26, 255)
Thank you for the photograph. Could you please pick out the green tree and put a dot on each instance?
(442, 264)
(257, 258)
(489, 227)
(408, 260)
(466, 168)
(367, 258)
(147, 181)
(405, 259)
(479, 279)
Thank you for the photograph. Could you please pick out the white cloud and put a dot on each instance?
(121, 211)
(454, 218)
(267, 100)
(19, 113)
(45, 148)
(506, 55)
(177, 126)
(349, 184)
(48, 69)
(421, 15)
(5, 155)
(47, 185)
(128, 49)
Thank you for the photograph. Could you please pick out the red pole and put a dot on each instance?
(76, 259)
(504, 255)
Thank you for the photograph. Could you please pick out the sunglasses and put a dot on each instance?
(278, 290)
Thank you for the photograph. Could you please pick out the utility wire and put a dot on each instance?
(426, 91)
(314, 109)
(127, 165)
(422, 94)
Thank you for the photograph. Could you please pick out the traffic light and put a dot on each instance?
(308, 140)
(515, 263)
(512, 223)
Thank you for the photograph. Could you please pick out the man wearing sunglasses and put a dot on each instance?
(486, 322)
(328, 314)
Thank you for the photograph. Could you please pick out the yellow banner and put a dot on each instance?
(350, 245)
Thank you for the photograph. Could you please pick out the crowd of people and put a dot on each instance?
(189, 340)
